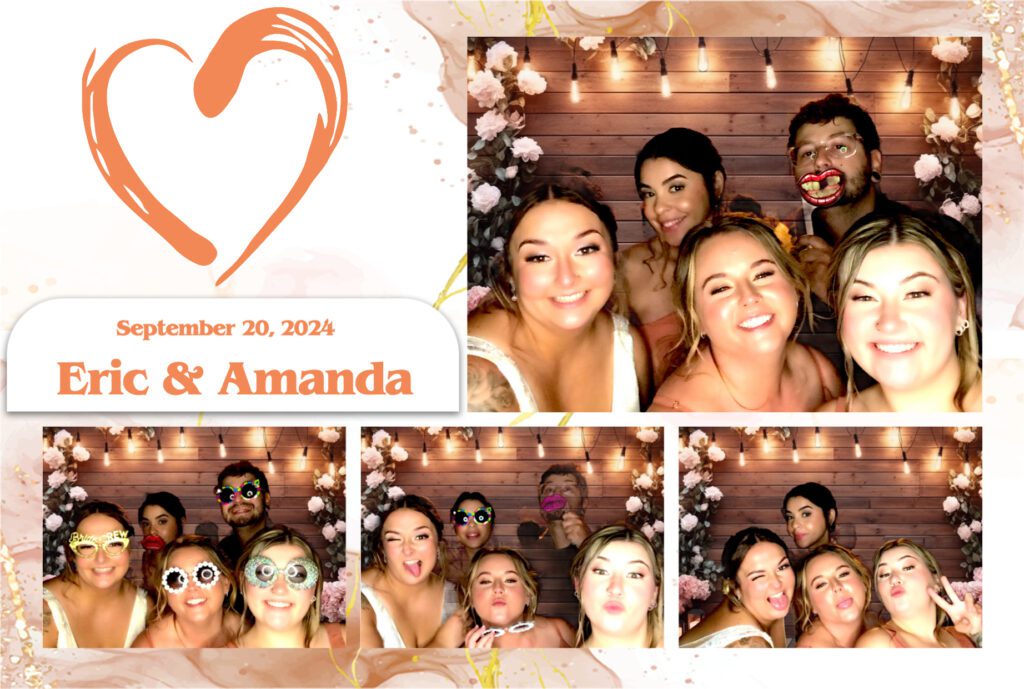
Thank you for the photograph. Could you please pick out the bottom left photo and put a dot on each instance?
(188, 537)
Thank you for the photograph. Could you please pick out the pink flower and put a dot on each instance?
(329, 436)
(80, 454)
(716, 454)
(946, 129)
(952, 51)
(316, 504)
(927, 167)
(648, 531)
(688, 457)
(372, 458)
(949, 207)
(713, 493)
(975, 526)
(501, 56)
(692, 478)
(526, 149)
(332, 601)
(591, 42)
(647, 435)
(53, 458)
(77, 493)
(973, 111)
(329, 532)
(380, 438)
(659, 526)
(326, 482)
(689, 522)
(531, 83)
(53, 522)
(964, 532)
(374, 479)
(394, 492)
(56, 479)
(511, 171)
(697, 437)
(486, 89)
(643, 482)
(970, 205)
(490, 124)
(964, 435)
(692, 589)
(634, 504)
(371, 522)
(475, 295)
(485, 197)
(950, 505)
(962, 482)
(62, 438)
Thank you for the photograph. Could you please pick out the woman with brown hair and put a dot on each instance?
(833, 591)
(92, 604)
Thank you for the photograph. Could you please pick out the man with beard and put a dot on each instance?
(244, 496)
(836, 158)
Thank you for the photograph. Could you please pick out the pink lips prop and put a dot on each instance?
(818, 177)
(552, 503)
(153, 542)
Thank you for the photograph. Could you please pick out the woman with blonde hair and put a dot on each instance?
(906, 314)
(833, 591)
(282, 586)
(405, 597)
(93, 604)
(921, 615)
(499, 608)
(195, 593)
(546, 337)
(739, 297)
(617, 577)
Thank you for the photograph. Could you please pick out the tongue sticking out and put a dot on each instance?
(822, 188)
(414, 568)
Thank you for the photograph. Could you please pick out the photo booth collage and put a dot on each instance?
(723, 390)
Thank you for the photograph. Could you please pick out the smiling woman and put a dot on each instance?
(546, 338)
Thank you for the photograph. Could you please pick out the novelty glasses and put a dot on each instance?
(114, 543)
(249, 490)
(461, 517)
(204, 575)
(300, 573)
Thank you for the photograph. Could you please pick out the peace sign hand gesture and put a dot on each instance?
(965, 614)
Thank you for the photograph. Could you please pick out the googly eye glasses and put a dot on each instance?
(114, 543)
(300, 573)
(205, 575)
(249, 490)
(514, 629)
(461, 517)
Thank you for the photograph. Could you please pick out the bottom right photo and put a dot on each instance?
(830, 537)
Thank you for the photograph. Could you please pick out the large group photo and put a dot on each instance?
(724, 224)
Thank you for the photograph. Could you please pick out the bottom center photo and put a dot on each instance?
(512, 537)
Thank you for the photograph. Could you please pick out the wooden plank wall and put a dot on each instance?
(747, 122)
(190, 472)
(876, 499)
(509, 478)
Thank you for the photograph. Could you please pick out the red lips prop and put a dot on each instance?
(812, 177)
(153, 542)
(553, 506)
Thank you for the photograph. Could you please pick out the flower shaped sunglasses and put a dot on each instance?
(300, 573)
(205, 575)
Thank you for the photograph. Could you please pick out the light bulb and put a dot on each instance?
(702, 55)
(954, 101)
(769, 71)
(817, 437)
(796, 455)
(590, 467)
(574, 87)
(305, 454)
(501, 438)
(908, 90)
(526, 57)
(425, 459)
(906, 465)
(331, 469)
(181, 436)
(938, 459)
(849, 86)
(223, 450)
(78, 439)
(666, 87)
(479, 457)
(616, 66)
(622, 459)
(743, 456)
(447, 441)
(131, 441)
(856, 446)
(159, 452)
(106, 454)
(650, 468)
(540, 446)
(764, 434)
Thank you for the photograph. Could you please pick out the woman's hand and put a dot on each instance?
(479, 637)
(965, 614)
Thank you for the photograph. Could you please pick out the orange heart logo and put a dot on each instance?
(276, 28)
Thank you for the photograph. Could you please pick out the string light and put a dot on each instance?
(906, 465)
(540, 447)
(616, 65)
(650, 469)
(305, 455)
(331, 469)
(425, 459)
(713, 443)
(622, 459)
(106, 454)
(479, 457)
(223, 450)
(954, 98)
(181, 436)
(159, 452)
(526, 55)
(395, 444)
(769, 71)
(501, 438)
(764, 434)
(447, 441)
(908, 90)
(702, 55)
(743, 456)
(590, 467)
(817, 436)
(574, 86)
(471, 68)
(666, 87)
(78, 438)
(131, 441)
(856, 446)
(270, 463)
(938, 458)
(796, 454)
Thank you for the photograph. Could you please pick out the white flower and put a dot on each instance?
(946, 129)
(399, 453)
(490, 124)
(53, 457)
(591, 42)
(952, 51)
(697, 559)
(526, 149)
(703, 507)
(80, 454)
(692, 478)
(647, 435)
(950, 208)
(329, 436)
(689, 522)
(697, 437)
(62, 438)
(315, 504)
(688, 457)
(964, 435)
(977, 470)
(115, 430)
(371, 522)
(962, 482)
(485, 197)
(643, 482)
(634, 504)
(372, 458)
(964, 532)
(751, 430)
(648, 531)
(57, 478)
(394, 492)
(486, 89)
(970, 205)
(510, 173)
(498, 244)
(531, 83)
(975, 526)
(380, 438)
(973, 111)
(659, 526)
(78, 494)
(927, 167)
(713, 493)
(501, 56)
(326, 481)
(53, 522)
(374, 479)
(950, 505)
(329, 532)
(434, 430)
(716, 454)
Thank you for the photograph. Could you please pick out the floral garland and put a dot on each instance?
(380, 461)
(963, 507)
(645, 508)
(62, 458)
(327, 509)
(946, 181)
(698, 502)
(500, 162)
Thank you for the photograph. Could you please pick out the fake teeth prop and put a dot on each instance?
(822, 188)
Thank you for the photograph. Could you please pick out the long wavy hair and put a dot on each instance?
(735, 551)
(523, 569)
(926, 558)
(107, 509)
(416, 503)
(804, 610)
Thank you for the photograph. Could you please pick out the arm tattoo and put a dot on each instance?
(47, 620)
(750, 642)
(487, 390)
